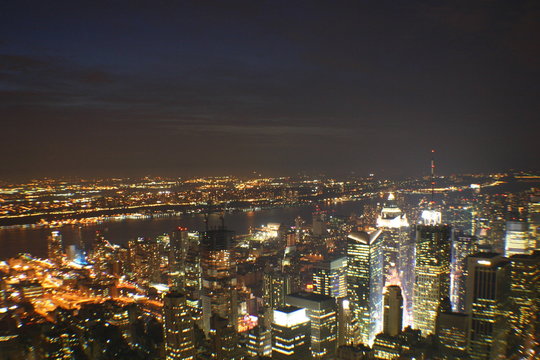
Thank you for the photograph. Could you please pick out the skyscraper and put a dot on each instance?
(54, 247)
(517, 240)
(534, 219)
(365, 283)
(486, 303)
(290, 334)
(432, 275)
(387, 344)
(218, 276)
(178, 248)
(393, 311)
(524, 306)
(178, 328)
(462, 246)
(394, 224)
(330, 277)
(322, 313)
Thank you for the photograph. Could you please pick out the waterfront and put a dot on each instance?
(33, 240)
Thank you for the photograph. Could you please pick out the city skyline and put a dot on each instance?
(258, 180)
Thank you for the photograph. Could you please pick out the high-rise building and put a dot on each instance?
(330, 277)
(276, 285)
(322, 313)
(365, 283)
(517, 240)
(218, 267)
(290, 334)
(524, 307)
(451, 333)
(145, 260)
(432, 274)
(462, 246)
(178, 248)
(346, 328)
(178, 328)
(488, 283)
(54, 247)
(533, 219)
(223, 339)
(387, 344)
(393, 311)
(259, 342)
(395, 225)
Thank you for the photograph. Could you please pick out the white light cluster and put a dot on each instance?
(290, 319)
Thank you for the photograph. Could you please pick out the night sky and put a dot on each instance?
(129, 88)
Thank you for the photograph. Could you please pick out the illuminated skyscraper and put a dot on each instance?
(488, 284)
(365, 283)
(394, 224)
(462, 246)
(534, 219)
(516, 240)
(322, 313)
(259, 342)
(290, 334)
(330, 277)
(178, 327)
(218, 276)
(524, 304)
(398, 249)
(432, 275)
(393, 311)
(54, 247)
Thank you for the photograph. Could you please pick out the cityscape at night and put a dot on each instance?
(280, 180)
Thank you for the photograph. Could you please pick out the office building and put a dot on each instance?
(524, 304)
(395, 226)
(393, 311)
(178, 328)
(462, 246)
(330, 277)
(533, 219)
(55, 247)
(290, 334)
(488, 285)
(451, 333)
(365, 284)
(322, 313)
(259, 342)
(517, 240)
(432, 275)
(218, 269)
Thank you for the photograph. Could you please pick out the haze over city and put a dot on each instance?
(211, 88)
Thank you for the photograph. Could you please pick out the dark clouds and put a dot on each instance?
(117, 88)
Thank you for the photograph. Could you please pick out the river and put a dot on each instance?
(34, 240)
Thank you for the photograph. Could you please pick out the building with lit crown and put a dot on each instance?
(322, 313)
(365, 284)
(290, 334)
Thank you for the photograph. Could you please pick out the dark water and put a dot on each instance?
(34, 241)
